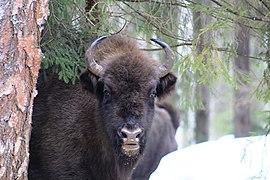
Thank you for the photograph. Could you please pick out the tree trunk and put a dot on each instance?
(202, 91)
(202, 115)
(241, 101)
(20, 57)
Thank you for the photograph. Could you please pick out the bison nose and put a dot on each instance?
(130, 134)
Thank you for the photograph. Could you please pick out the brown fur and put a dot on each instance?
(75, 127)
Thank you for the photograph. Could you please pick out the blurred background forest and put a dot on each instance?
(222, 53)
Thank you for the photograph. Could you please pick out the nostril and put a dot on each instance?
(140, 133)
(127, 134)
(124, 135)
(121, 133)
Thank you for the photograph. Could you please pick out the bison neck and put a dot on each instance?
(103, 163)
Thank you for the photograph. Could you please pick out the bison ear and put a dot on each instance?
(166, 85)
(89, 81)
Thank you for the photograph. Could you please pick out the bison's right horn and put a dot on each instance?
(169, 61)
(92, 65)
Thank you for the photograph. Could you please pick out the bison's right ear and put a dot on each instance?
(166, 85)
(89, 81)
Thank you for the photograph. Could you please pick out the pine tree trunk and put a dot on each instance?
(202, 115)
(202, 91)
(241, 101)
(20, 57)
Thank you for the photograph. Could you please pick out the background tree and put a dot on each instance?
(242, 103)
(202, 91)
(20, 57)
(251, 19)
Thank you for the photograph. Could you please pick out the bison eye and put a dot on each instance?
(153, 94)
(106, 93)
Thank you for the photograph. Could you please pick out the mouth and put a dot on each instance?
(130, 140)
(130, 148)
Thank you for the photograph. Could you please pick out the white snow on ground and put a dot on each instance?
(223, 159)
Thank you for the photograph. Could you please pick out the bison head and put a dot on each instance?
(126, 82)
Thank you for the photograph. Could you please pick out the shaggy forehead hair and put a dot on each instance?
(124, 61)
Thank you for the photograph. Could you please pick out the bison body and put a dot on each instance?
(97, 129)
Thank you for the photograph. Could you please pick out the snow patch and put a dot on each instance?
(35, 92)
(7, 89)
(22, 168)
(18, 145)
(2, 147)
(42, 13)
(223, 159)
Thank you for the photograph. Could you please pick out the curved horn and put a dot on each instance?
(92, 65)
(169, 61)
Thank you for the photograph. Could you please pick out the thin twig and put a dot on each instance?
(237, 14)
(265, 4)
(251, 5)
(157, 2)
(146, 18)
(173, 46)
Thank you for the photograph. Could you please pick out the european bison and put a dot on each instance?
(97, 129)
(161, 140)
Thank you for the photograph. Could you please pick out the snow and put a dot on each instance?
(223, 159)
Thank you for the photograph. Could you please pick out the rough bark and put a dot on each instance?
(241, 100)
(202, 91)
(20, 57)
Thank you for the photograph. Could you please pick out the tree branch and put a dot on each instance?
(227, 50)
(173, 46)
(265, 4)
(146, 18)
(237, 14)
(157, 2)
(251, 5)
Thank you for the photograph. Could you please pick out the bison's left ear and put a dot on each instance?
(89, 81)
(166, 85)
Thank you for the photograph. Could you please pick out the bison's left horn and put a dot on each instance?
(92, 65)
(169, 61)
